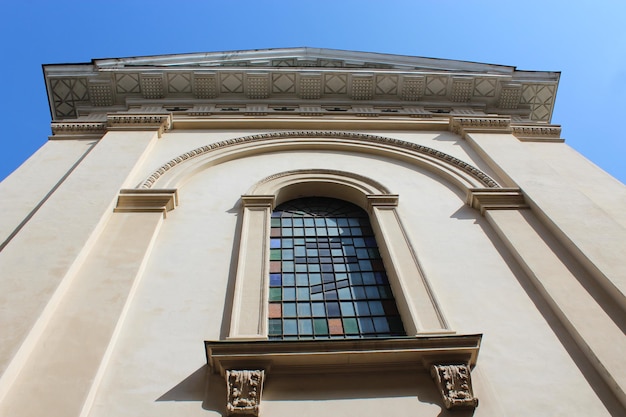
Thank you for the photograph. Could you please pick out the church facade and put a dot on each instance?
(309, 232)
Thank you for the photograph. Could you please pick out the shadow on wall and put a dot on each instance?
(592, 376)
(320, 393)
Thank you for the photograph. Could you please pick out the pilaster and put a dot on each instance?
(249, 312)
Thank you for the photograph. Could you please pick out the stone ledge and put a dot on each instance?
(146, 201)
(496, 199)
(351, 355)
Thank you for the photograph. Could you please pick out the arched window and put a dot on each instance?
(327, 279)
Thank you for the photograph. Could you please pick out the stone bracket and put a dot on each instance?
(146, 201)
(455, 385)
(244, 388)
(496, 199)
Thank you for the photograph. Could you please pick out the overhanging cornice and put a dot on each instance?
(297, 77)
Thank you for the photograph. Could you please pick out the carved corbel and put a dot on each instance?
(244, 389)
(455, 385)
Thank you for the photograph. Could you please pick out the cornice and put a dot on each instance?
(538, 133)
(259, 201)
(77, 130)
(146, 201)
(314, 75)
(465, 125)
(496, 199)
(472, 171)
(139, 121)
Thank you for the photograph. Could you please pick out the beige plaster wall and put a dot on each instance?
(37, 266)
(30, 184)
(121, 362)
(184, 298)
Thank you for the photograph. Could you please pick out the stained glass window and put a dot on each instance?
(327, 279)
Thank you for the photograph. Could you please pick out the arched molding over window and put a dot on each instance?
(175, 172)
(416, 302)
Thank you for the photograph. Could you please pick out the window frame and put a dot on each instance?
(420, 312)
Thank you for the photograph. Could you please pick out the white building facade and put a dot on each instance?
(309, 232)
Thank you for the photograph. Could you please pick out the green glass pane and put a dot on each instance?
(350, 326)
(275, 294)
(275, 327)
(321, 326)
(275, 254)
(275, 222)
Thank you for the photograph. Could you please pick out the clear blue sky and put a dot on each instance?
(584, 40)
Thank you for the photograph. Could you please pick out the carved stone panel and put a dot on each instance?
(455, 385)
(244, 391)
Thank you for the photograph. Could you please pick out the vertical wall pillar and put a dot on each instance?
(250, 303)
(545, 263)
(74, 231)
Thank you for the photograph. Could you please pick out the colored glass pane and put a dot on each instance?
(327, 279)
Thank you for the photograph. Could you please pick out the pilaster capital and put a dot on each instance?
(139, 121)
(490, 124)
(146, 201)
(77, 130)
(496, 199)
(266, 201)
(382, 201)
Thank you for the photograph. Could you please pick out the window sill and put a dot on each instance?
(341, 356)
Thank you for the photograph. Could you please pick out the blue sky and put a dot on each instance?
(584, 40)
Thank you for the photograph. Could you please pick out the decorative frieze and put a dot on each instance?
(244, 389)
(257, 85)
(412, 88)
(362, 87)
(205, 85)
(455, 385)
(139, 121)
(78, 130)
(462, 89)
(310, 86)
(463, 125)
(101, 93)
(538, 133)
(152, 85)
(510, 97)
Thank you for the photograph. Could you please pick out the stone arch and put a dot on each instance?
(465, 176)
(417, 303)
